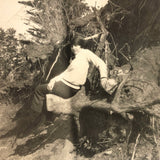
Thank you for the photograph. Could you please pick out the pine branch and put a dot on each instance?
(27, 3)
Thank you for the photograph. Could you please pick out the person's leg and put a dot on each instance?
(36, 115)
(39, 98)
(62, 90)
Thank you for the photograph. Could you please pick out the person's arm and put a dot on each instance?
(52, 82)
(106, 83)
(98, 63)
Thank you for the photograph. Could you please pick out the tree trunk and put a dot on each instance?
(139, 90)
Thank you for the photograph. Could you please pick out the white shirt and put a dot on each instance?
(77, 71)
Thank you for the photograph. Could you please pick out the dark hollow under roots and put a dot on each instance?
(100, 130)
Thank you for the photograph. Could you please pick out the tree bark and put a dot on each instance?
(139, 90)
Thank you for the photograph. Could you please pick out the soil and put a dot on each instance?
(61, 140)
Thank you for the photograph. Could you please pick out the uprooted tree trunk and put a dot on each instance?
(139, 90)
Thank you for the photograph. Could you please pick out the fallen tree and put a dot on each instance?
(138, 91)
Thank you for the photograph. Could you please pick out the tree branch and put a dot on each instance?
(53, 64)
(93, 36)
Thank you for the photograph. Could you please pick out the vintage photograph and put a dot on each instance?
(79, 80)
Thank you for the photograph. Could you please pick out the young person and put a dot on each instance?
(69, 82)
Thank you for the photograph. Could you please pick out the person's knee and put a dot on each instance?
(40, 89)
(37, 89)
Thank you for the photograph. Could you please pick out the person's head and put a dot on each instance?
(78, 42)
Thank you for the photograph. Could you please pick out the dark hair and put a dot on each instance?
(77, 40)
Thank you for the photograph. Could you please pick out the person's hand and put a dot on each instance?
(104, 82)
(111, 82)
(108, 84)
(51, 84)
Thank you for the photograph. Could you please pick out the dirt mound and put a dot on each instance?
(102, 136)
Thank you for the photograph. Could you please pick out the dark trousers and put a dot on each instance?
(59, 89)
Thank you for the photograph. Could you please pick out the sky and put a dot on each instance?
(12, 14)
(97, 3)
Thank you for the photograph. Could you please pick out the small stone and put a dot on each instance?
(107, 152)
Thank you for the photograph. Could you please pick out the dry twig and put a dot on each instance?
(92, 37)
(153, 125)
(53, 64)
(134, 150)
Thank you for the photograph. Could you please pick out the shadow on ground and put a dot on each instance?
(36, 137)
(60, 129)
(99, 130)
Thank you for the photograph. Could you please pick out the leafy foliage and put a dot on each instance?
(50, 20)
(47, 23)
(14, 69)
(50, 28)
(8, 46)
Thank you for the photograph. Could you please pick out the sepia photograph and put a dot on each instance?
(79, 80)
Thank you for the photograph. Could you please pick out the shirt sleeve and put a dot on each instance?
(97, 62)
